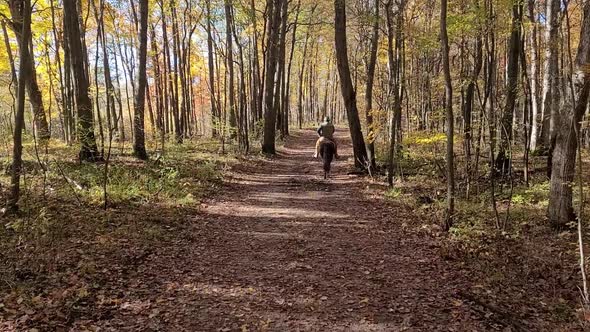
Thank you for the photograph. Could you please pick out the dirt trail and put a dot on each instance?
(280, 249)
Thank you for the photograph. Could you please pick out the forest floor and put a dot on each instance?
(276, 249)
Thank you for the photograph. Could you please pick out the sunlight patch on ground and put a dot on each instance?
(213, 289)
(275, 180)
(356, 224)
(288, 198)
(246, 210)
(364, 326)
(270, 235)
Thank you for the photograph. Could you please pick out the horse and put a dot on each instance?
(327, 151)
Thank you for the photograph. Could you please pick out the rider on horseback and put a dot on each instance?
(326, 133)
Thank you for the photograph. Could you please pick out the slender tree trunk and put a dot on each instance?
(66, 110)
(369, 90)
(393, 88)
(535, 74)
(302, 71)
(19, 121)
(280, 89)
(13, 87)
(503, 160)
(139, 123)
(243, 103)
(110, 89)
(444, 40)
(211, 66)
(346, 86)
(468, 107)
(270, 116)
(119, 99)
(33, 90)
(256, 88)
(230, 69)
(85, 127)
(97, 96)
(551, 98)
(178, 129)
(287, 103)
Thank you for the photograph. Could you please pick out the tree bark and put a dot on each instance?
(302, 71)
(270, 116)
(113, 124)
(243, 139)
(469, 101)
(211, 66)
(256, 88)
(138, 118)
(230, 69)
(346, 86)
(393, 52)
(287, 103)
(503, 160)
(33, 90)
(13, 75)
(85, 127)
(19, 121)
(535, 74)
(369, 89)
(176, 111)
(444, 40)
(560, 210)
(280, 89)
(551, 90)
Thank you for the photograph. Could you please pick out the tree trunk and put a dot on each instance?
(211, 66)
(560, 210)
(287, 103)
(535, 73)
(256, 89)
(85, 127)
(138, 118)
(19, 121)
(33, 90)
(503, 160)
(280, 90)
(551, 91)
(393, 55)
(346, 87)
(176, 111)
(113, 125)
(243, 139)
(270, 116)
(369, 90)
(301, 72)
(469, 101)
(444, 40)
(230, 69)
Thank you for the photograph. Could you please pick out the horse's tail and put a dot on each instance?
(327, 151)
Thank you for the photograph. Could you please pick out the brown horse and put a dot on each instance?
(327, 152)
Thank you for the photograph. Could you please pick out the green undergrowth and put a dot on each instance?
(522, 256)
(63, 199)
(179, 176)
